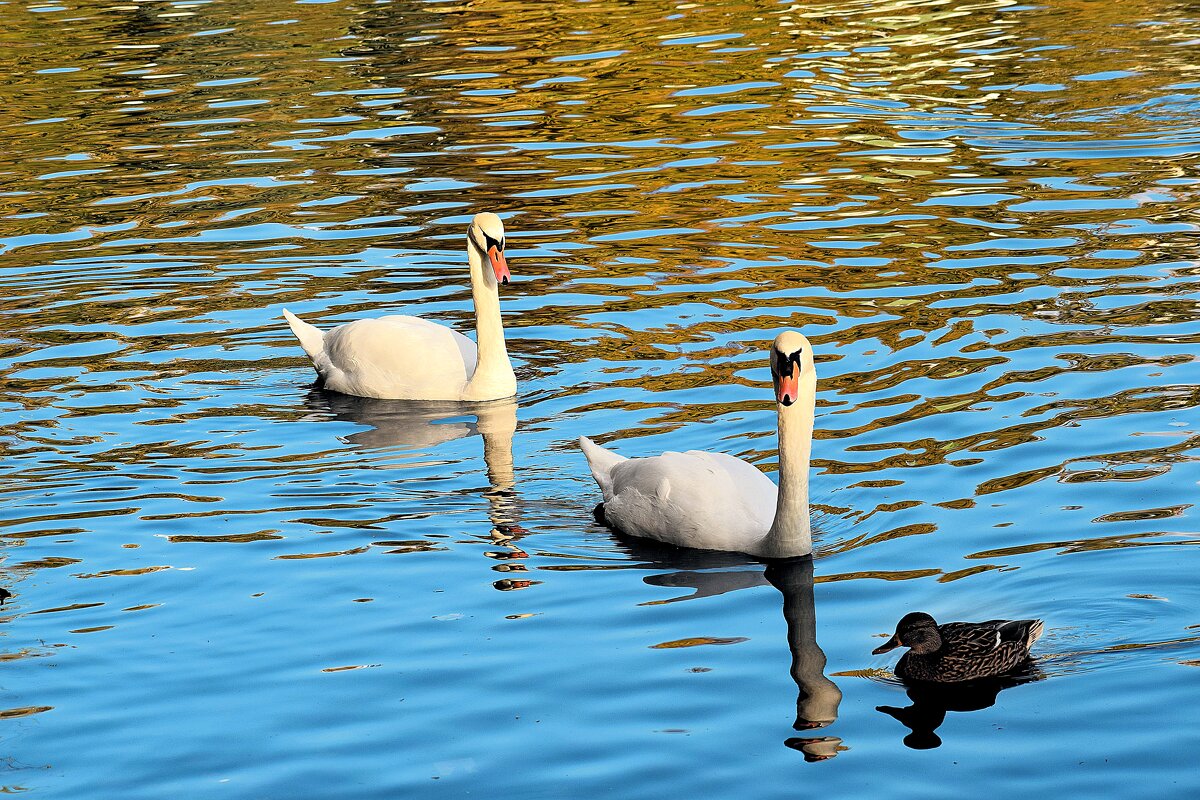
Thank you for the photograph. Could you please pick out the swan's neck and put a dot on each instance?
(791, 534)
(493, 377)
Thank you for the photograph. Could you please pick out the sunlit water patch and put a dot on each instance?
(228, 583)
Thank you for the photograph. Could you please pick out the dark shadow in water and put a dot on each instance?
(712, 573)
(708, 572)
(931, 701)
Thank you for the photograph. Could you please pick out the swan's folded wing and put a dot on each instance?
(399, 357)
(694, 499)
(755, 486)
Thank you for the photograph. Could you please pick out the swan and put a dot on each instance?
(410, 358)
(715, 501)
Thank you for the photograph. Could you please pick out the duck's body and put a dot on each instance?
(410, 358)
(961, 651)
(714, 501)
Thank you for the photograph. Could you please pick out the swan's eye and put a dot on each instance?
(488, 242)
(788, 364)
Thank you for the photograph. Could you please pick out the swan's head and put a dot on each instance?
(791, 358)
(487, 233)
(917, 631)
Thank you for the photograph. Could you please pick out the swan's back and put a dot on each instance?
(694, 499)
(397, 357)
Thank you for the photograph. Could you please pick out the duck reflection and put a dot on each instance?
(711, 573)
(931, 701)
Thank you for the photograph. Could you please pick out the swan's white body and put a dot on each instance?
(711, 501)
(410, 358)
(715, 501)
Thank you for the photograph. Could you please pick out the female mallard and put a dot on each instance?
(960, 651)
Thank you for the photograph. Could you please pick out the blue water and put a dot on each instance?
(230, 584)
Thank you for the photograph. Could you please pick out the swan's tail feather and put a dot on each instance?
(600, 462)
(312, 339)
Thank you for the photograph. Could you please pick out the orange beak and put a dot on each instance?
(499, 265)
(787, 390)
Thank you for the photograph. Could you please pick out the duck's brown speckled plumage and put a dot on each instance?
(968, 650)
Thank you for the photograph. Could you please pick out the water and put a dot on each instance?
(227, 584)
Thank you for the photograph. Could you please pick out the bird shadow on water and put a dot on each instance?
(931, 702)
(710, 573)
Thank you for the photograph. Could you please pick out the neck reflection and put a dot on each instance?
(819, 697)
(408, 426)
(710, 574)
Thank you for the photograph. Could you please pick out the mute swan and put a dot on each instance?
(410, 358)
(715, 501)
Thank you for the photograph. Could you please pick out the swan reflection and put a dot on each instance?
(819, 698)
(414, 424)
(711, 573)
(422, 425)
(931, 701)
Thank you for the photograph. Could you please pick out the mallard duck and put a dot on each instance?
(960, 651)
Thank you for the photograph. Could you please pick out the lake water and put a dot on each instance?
(228, 584)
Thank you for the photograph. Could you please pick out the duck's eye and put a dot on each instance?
(498, 244)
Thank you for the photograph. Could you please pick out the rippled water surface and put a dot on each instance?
(229, 584)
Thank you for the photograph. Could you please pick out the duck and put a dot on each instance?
(410, 358)
(715, 501)
(960, 651)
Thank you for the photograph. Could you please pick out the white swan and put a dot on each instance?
(410, 358)
(714, 501)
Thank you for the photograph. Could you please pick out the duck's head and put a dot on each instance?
(917, 631)
(487, 234)
(791, 359)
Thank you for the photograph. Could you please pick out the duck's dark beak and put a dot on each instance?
(890, 644)
(499, 265)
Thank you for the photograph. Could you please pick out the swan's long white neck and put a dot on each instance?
(791, 531)
(493, 376)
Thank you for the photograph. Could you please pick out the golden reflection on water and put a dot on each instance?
(891, 176)
(982, 215)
